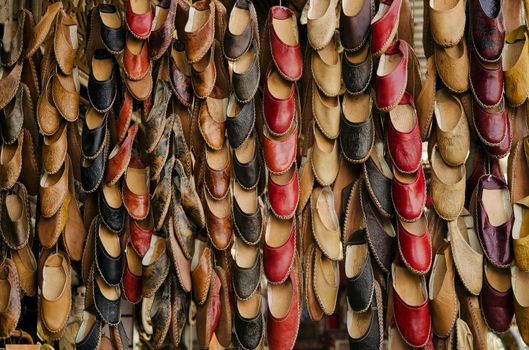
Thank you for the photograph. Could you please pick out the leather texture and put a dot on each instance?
(325, 224)
(247, 280)
(247, 226)
(54, 150)
(444, 305)
(490, 124)
(109, 267)
(249, 331)
(497, 306)
(360, 287)
(240, 126)
(495, 240)
(415, 248)
(453, 66)
(453, 142)
(382, 243)
(13, 117)
(48, 117)
(198, 42)
(113, 38)
(248, 174)
(379, 186)
(160, 313)
(284, 198)
(224, 330)
(466, 252)
(520, 240)
(93, 337)
(326, 69)
(55, 312)
(52, 196)
(326, 111)
(245, 84)
(160, 39)
(50, 229)
(502, 150)
(92, 171)
(390, 87)
(159, 157)
(10, 315)
(111, 217)
(516, 83)
(93, 140)
(15, 230)
(486, 28)
(184, 230)
(521, 311)
(278, 113)
(356, 139)
(180, 262)
(212, 122)
(204, 73)
(12, 162)
(179, 311)
(444, 185)
(373, 337)
(161, 198)
(326, 281)
(285, 328)
(409, 198)
(137, 205)
(136, 65)
(277, 261)
(156, 120)
(217, 181)
(180, 77)
(139, 24)
(280, 154)
(219, 229)
(131, 283)
(413, 321)
(287, 58)
(472, 315)
(354, 30)
(188, 194)
(102, 93)
(208, 314)
(486, 82)
(201, 275)
(321, 26)
(357, 76)
(125, 115)
(235, 45)
(66, 95)
(447, 25)
(325, 163)
(407, 159)
(155, 271)
(140, 236)
(384, 28)
(10, 55)
(64, 50)
(108, 309)
(9, 84)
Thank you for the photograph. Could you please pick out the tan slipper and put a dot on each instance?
(453, 66)
(326, 282)
(447, 21)
(325, 224)
(453, 136)
(447, 182)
